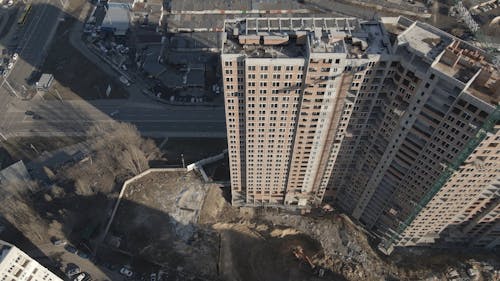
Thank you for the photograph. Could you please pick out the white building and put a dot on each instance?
(117, 18)
(16, 265)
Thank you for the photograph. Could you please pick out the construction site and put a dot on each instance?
(177, 221)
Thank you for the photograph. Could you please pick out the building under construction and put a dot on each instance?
(395, 121)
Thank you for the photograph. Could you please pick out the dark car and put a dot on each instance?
(29, 113)
(70, 249)
(73, 271)
(83, 254)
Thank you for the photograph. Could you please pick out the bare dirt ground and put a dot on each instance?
(157, 220)
(256, 244)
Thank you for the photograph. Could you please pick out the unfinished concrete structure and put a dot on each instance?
(376, 116)
(16, 265)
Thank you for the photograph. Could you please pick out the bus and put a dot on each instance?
(24, 15)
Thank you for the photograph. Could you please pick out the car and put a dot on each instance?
(127, 272)
(57, 242)
(152, 277)
(82, 276)
(124, 67)
(124, 80)
(15, 56)
(30, 113)
(10, 65)
(70, 249)
(73, 271)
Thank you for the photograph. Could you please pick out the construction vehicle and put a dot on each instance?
(298, 252)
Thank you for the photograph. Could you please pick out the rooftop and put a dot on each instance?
(117, 17)
(290, 37)
(425, 39)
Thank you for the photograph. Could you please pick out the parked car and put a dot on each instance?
(83, 254)
(57, 242)
(10, 65)
(152, 277)
(82, 276)
(30, 113)
(15, 56)
(124, 81)
(70, 249)
(127, 272)
(73, 271)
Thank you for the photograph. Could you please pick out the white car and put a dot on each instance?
(124, 81)
(80, 276)
(10, 65)
(125, 271)
(15, 56)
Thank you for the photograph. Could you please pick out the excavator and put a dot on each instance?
(298, 252)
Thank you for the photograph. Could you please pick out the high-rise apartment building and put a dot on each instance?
(15, 265)
(393, 120)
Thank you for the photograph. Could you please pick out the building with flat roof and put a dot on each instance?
(376, 116)
(45, 82)
(16, 265)
(117, 18)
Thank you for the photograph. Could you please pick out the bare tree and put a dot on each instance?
(122, 144)
(117, 151)
(16, 206)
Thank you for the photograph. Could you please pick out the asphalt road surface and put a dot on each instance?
(35, 37)
(58, 118)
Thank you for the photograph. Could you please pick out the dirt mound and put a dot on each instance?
(280, 233)
(247, 254)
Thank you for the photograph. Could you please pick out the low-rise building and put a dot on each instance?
(16, 265)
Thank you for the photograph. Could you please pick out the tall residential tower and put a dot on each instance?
(381, 117)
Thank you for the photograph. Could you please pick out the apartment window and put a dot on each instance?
(251, 67)
(264, 67)
(277, 68)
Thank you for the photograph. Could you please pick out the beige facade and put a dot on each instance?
(285, 89)
(15, 265)
(374, 116)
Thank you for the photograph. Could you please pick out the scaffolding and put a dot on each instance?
(486, 128)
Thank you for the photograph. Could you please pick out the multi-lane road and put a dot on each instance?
(73, 117)
(35, 36)
(58, 118)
